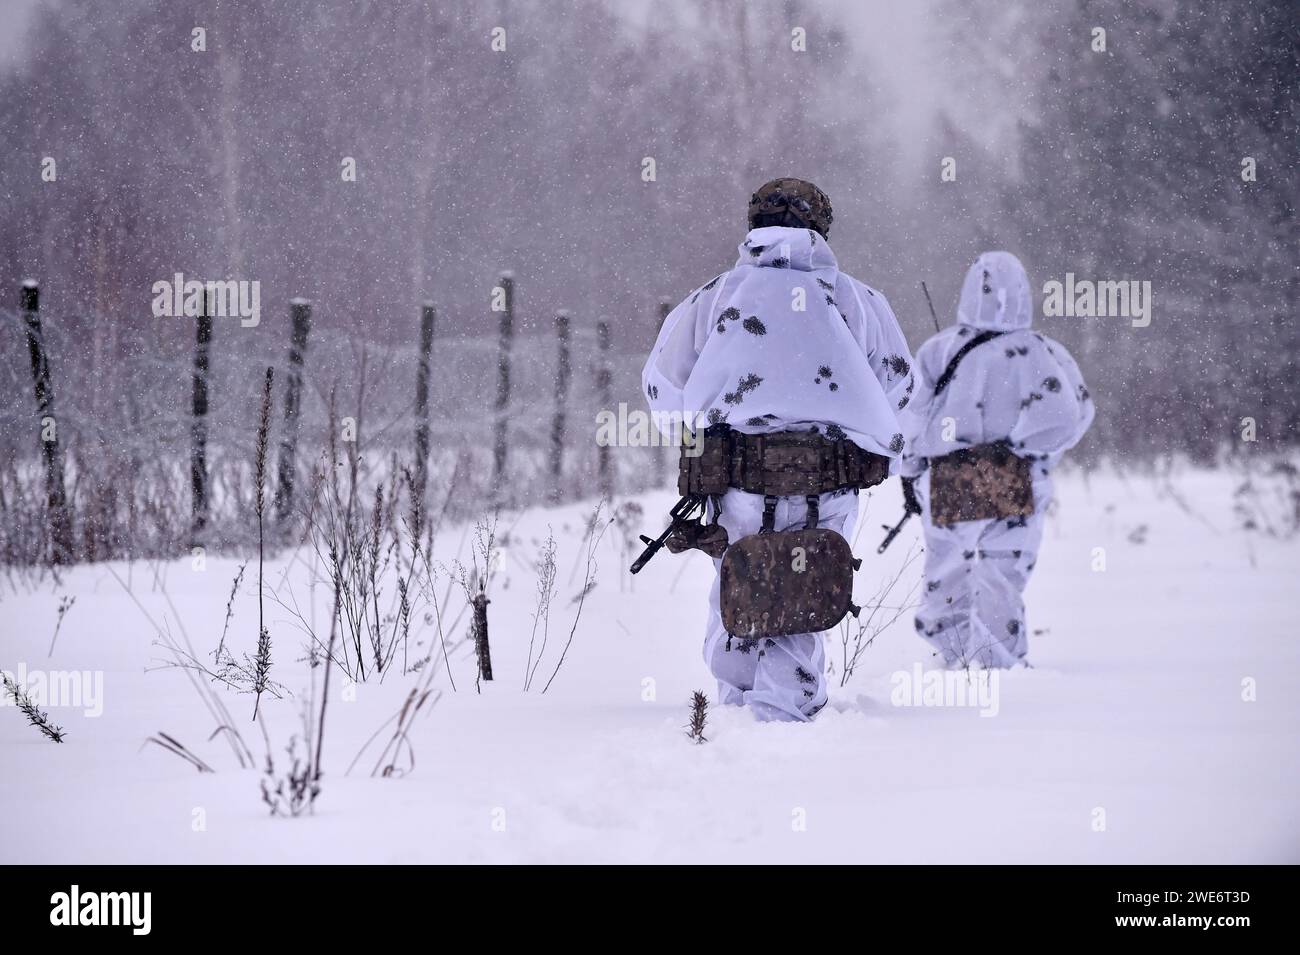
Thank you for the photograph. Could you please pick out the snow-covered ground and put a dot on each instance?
(1159, 723)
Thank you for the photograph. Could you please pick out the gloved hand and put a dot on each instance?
(710, 538)
(910, 503)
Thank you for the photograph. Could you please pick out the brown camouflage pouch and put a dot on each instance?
(705, 467)
(981, 483)
(787, 582)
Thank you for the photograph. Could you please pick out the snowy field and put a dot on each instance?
(1158, 724)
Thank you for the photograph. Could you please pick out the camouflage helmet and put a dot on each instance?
(797, 197)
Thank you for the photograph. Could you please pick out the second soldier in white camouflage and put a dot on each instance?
(987, 387)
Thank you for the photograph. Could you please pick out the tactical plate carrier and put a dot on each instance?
(779, 583)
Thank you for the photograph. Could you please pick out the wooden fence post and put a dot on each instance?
(664, 309)
(563, 373)
(658, 451)
(199, 422)
(604, 379)
(56, 501)
(300, 313)
(501, 409)
(479, 627)
(427, 315)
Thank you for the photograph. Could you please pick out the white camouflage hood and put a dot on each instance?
(1020, 387)
(996, 294)
(778, 247)
(784, 342)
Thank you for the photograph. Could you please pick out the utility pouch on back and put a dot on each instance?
(984, 482)
(775, 584)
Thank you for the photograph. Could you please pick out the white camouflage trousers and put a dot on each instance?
(779, 678)
(972, 609)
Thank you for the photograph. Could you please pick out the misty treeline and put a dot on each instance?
(228, 164)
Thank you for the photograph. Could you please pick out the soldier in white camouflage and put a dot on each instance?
(783, 342)
(996, 406)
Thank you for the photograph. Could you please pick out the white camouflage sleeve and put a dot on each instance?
(886, 348)
(673, 357)
(1056, 408)
(916, 415)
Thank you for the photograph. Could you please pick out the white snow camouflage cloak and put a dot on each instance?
(740, 349)
(1022, 387)
(785, 342)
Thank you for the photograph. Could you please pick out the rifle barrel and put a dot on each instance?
(893, 532)
(933, 316)
(680, 513)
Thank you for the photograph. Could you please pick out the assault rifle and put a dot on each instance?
(681, 514)
(910, 506)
